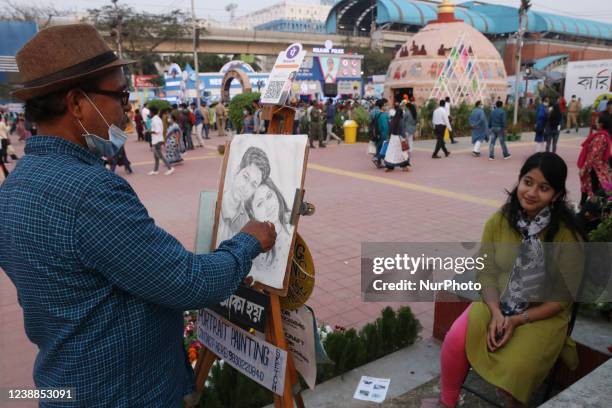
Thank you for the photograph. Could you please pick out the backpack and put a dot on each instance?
(315, 115)
(374, 133)
(192, 118)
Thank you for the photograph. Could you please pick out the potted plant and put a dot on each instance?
(514, 133)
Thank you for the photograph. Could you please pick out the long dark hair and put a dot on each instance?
(554, 170)
(396, 122)
(283, 208)
(259, 158)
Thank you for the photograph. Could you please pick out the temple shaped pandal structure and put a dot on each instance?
(447, 58)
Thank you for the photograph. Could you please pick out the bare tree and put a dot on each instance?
(139, 33)
(42, 14)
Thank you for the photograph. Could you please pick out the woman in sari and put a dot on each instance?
(173, 135)
(396, 156)
(593, 161)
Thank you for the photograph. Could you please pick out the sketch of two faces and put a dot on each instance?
(262, 173)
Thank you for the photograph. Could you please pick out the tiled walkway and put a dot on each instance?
(440, 200)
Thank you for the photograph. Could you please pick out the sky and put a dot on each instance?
(215, 9)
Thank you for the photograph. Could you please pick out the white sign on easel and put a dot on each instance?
(284, 72)
(299, 333)
(257, 359)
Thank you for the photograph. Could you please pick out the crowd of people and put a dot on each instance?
(99, 281)
(171, 132)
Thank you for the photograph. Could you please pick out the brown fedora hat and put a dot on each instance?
(60, 56)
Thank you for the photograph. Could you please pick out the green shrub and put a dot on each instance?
(160, 104)
(387, 334)
(228, 388)
(525, 120)
(461, 119)
(425, 114)
(584, 116)
(373, 341)
(362, 117)
(407, 328)
(237, 105)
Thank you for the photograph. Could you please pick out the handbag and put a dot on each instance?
(404, 145)
(371, 147)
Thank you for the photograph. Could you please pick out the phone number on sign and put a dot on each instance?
(42, 394)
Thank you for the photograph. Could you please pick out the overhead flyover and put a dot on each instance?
(356, 17)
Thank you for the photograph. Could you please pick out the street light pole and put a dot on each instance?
(195, 53)
(119, 19)
(525, 5)
(527, 75)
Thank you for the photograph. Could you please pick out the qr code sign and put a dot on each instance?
(274, 90)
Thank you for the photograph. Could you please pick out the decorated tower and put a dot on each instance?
(447, 58)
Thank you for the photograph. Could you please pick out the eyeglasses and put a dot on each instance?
(123, 96)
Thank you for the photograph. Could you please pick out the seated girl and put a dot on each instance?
(513, 337)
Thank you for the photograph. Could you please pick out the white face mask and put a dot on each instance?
(103, 147)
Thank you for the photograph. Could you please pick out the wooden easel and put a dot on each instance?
(280, 122)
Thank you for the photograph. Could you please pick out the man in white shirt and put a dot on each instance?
(447, 106)
(440, 124)
(157, 140)
(145, 113)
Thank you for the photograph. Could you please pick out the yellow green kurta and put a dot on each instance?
(521, 365)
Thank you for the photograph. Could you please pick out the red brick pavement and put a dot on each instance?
(440, 200)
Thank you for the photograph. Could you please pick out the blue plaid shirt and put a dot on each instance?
(101, 286)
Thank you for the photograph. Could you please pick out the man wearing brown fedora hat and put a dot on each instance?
(101, 286)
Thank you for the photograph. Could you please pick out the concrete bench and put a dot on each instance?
(592, 336)
(592, 391)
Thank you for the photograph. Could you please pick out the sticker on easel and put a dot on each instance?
(301, 278)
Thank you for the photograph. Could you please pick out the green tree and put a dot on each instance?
(140, 32)
(42, 14)
(237, 105)
(206, 62)
(211, 62)
(374, 62)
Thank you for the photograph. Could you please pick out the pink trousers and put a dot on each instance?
(453, 360)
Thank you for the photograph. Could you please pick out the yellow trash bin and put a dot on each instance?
(350, 131)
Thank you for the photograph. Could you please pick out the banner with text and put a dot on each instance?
(588, 80)
(259, 360)
(299, 333)
(283, 74)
